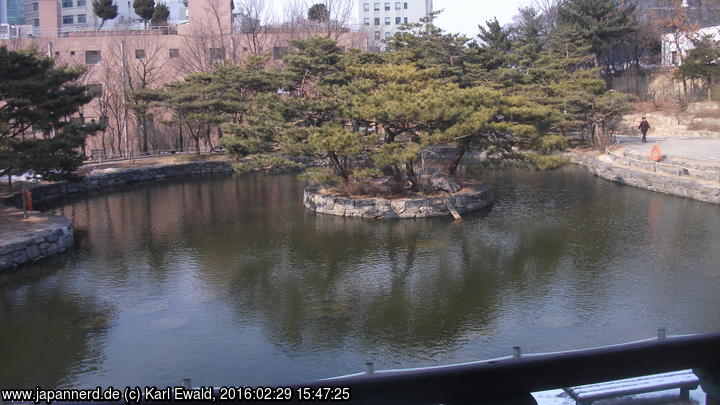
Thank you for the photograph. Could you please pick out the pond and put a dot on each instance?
(228, 280)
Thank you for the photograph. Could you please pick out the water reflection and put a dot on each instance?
(228, 280)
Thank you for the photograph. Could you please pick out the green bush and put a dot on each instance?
(546, 162)
(551, 143)
(321, 175)
(240, 147)
(268, 163)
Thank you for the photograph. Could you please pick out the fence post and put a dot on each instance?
(24, 202)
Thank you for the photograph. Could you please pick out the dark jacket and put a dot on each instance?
(644, 126)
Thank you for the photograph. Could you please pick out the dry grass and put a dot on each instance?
(668, 108)
(703, 126)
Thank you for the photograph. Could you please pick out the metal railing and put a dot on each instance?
(512, 379)
(680, 168)
(97, 158)
(15, 32)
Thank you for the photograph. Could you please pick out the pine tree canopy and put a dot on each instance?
(36, 100)
(105, 9)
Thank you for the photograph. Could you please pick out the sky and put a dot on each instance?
(463, 16)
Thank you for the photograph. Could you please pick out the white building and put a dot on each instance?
(382, 19)
(79, 15)
(675, 46)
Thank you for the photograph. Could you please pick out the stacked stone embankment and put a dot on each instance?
(470, 198)
(45, 236)
(679, 177)
(50, 193)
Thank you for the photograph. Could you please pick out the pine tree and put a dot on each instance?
(603, 24)
(160, 15)
(319, 13)
(105, 9)
(701, 62)
(35, 132)
(145, 9)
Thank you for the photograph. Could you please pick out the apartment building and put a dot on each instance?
(11, 12)
(79, 15)
(382, 19)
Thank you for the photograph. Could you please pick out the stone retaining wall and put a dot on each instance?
(703, 170)
(469, 199)
(54, 237)
(57, 191)
(653, 181)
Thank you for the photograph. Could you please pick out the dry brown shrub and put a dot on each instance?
(703, 126)
(386, 188)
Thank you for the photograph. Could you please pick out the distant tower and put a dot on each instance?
(12, 12)
(382, 18)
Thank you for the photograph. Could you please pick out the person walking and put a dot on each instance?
(644, 127)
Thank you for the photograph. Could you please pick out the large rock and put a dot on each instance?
(432, 181)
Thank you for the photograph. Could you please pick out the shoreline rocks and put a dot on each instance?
(471, 198)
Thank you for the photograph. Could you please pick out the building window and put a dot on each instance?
(388, 34)
(68, 19)
(92, 57)
(57, 53)
(36, 23)
(387, 20)
(95, 90)
(174, 53)
(81, 19)
(673, 57)
(397, 20)
(376, 6)
(387, 6)
(139, 54)
(366, 21)
(278, 52)
(377, 20)
(245, 48)
(72, 53)
(81, 3)
(377, 34)
(366, 7)
(217, 53)
(406, 20)
(36, 7)
(398, 6)
(67, 3)
(405, 5)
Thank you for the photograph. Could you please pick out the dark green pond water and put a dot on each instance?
(229, 281)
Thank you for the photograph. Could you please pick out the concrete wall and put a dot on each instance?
(657, 85)
(469, 199)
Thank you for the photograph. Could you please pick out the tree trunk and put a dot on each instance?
(412, 176)
(144, 133)
(709, 85)
(338, 167)
(455, 163)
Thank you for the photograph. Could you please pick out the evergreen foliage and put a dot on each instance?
(160, 16)
(701, 62)
(318, 12)
(37, 101)
(369, 116)
(144, 9)
(105, 9)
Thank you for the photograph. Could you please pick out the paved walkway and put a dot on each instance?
(688, 148)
